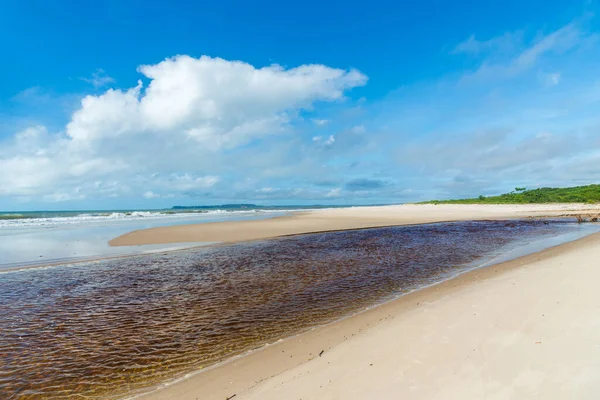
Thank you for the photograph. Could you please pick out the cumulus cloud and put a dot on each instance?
(168, 130)
(215, 102)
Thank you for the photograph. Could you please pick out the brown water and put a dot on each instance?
(112, 328)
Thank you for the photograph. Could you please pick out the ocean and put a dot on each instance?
(47, 237)
(175, 214)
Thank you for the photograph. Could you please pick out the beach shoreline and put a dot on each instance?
(189, 236)
(338, 219)
(299, 358)
(308, 222)
(251, 374)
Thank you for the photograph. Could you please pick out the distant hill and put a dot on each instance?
(577, 194)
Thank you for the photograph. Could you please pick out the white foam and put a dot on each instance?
(100, 217)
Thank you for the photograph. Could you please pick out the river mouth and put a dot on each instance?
(112, 328)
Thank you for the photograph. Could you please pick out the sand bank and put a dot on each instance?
(527, 328)
(341, 219)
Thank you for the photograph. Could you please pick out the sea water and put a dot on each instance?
(47, 237)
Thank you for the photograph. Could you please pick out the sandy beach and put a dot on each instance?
(523, 329)
(341, 219)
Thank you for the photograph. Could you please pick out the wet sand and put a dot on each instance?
(527, 328)
(341, 219)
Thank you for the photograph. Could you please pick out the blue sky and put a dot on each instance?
(152, 104)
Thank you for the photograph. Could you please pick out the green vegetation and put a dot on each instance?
(578, 194)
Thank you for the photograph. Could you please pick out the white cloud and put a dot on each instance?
(329, 141)
(504, 61)
(218, 103)
(507, 42)
(60, 196)
(499, 158)
(551, 79)
(151, 195)
(32, 96)
(277, 193)
(337, 192)
(320, 122)
(99, 79)
(112, 114)
(23, 176)
(171, 134)
(188, 182)
(358, 129)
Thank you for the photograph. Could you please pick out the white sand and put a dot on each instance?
(340, 219)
